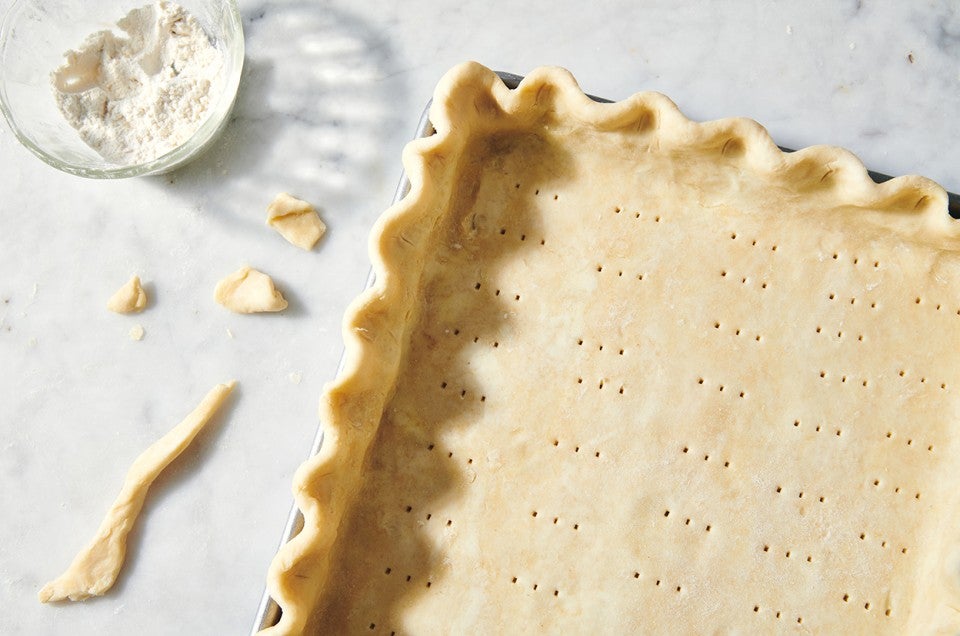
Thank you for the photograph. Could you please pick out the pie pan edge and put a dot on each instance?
(469, 98)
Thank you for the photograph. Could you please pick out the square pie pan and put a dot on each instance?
(268, 613)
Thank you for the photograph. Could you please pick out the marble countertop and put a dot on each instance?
(331, 92)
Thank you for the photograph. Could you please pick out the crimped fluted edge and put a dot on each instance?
(470, 99)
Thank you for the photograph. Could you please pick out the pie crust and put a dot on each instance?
(622, 372)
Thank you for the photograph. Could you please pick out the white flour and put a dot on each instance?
(139, 92)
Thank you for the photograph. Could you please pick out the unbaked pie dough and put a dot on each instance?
(94, 570)
(295, 220)
(622, 372)
(129, 298)
(248, 291)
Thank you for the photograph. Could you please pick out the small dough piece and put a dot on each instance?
(96, 567)
(128, 299)
(295, 220)
(248, 291)
(136, 332)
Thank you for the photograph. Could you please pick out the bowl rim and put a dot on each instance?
(207, 132)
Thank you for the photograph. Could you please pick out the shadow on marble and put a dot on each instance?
(319, 96)
(296, 308)
(150, 289)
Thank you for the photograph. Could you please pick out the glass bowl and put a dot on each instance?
(33, 38)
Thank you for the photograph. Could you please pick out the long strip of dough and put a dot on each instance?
(96, 567)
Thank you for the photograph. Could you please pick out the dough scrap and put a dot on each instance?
(128, 299)
(622, 372)
(137, 332)
(95, 568)
(295, 220)
(248, 291)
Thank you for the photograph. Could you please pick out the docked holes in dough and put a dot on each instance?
(295, 220)
(387, 403)
(248, 291)
(129, 298)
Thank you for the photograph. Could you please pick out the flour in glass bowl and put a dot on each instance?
(137, 92)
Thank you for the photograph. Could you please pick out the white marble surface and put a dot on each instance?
(330, 94)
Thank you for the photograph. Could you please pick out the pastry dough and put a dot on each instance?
(295, 220)
(129, 298)
(248, 291)
(96, 567)
(622, 372)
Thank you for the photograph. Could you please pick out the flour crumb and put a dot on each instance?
(229, 333)
(140, 90)
(789, 30)
(136, 332)
(296, 377)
